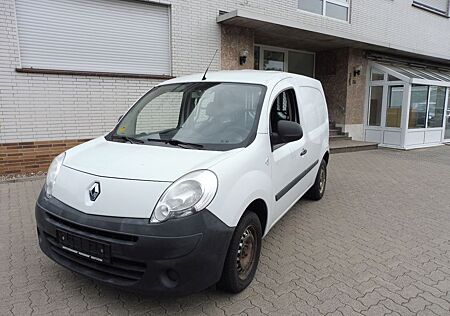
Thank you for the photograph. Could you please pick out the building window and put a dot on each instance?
(375, 105)
(418, 107)
(111, 36)
(301, 63)
(273, 60)
(377, 75)
(436, 6)
(395, 104)
(427, 106)
(436, 106)
(337, 9)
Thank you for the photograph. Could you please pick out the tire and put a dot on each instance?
(240, 267)
(318, 189)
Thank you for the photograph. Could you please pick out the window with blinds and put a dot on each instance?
(114, 36)
(440, 6)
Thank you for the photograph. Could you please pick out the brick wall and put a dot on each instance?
(61, 109)
(54, 107)
(393, 24)
(44, 107)
(31, 157)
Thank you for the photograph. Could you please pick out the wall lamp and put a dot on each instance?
(243, 56)
(357, 71)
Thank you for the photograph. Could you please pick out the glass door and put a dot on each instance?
(447, 119)
(273, 60)
(282, 59)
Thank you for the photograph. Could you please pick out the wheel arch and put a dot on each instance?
(259, 207)
(326, 157)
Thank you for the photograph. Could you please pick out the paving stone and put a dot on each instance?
(376, 310)
(371, 299)
(409, 292)
(377, 243)
(416, 304)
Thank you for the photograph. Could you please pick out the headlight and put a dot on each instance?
(52, 173)
(188, 195)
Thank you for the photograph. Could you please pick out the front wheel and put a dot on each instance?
(318, 189)
(243, 255)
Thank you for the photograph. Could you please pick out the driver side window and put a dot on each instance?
(283, 108)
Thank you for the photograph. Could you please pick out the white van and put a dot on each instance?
(180, 194)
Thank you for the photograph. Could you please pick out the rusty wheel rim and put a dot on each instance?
(246, 252)
(322, 180)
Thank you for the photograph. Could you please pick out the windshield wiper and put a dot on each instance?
(128, 139)
(175, 142)
(179, 142)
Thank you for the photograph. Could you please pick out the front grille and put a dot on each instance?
(118, 271)
(97, 232)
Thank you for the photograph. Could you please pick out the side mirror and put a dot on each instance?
(120, 117)
(289, 131)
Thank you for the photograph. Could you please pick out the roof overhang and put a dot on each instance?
(416, 75)
(297, 34)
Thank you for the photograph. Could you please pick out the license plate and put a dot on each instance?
(84, 247)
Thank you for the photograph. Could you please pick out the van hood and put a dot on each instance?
(139, 162)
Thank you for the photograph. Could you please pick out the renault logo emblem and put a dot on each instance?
(94, 191)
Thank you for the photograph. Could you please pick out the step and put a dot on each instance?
(343, 146)
(340, 137)
(335, 131)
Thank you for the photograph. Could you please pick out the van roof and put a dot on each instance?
(243, 76)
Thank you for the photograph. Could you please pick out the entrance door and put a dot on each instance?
(447, 119)
(447, 126)
(280, 59)
(274, 60)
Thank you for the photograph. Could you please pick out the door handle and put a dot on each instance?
(303, 152)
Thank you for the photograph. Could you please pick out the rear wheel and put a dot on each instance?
(318, 189)
(243, 255)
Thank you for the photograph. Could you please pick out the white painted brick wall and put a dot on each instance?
(44, 107)
(390, 22)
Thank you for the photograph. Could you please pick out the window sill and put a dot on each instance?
(91, 73)
(431, 10)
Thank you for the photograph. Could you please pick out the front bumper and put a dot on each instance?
(179, 256)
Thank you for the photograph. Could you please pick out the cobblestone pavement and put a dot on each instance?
(378, 243)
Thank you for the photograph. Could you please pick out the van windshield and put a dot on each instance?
(200, 115)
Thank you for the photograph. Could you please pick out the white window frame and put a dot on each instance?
(342, 3)
(446, 110)
(386, 84)
(286, 51)
(419, 4)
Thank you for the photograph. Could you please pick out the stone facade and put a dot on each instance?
(343, 76)
(331, 70)
(356, 94)
(234, 41)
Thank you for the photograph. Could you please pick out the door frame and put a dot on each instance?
(446, 117)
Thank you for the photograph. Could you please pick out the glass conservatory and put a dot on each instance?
(407, 107)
